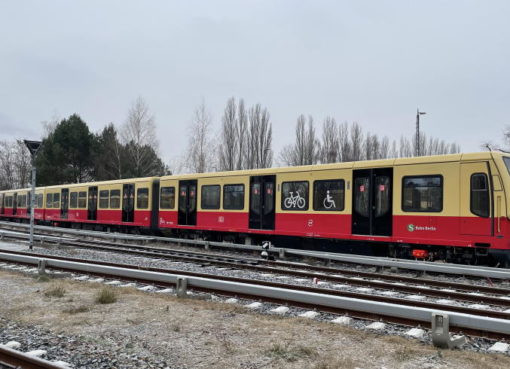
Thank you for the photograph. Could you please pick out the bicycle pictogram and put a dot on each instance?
(294, 201)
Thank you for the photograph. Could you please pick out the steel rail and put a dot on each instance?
(423, 266)
(244, 264)
(250, 264)
(321, 299)
(18, 359)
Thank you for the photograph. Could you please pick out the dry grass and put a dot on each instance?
(55, 291)
(77, 310)
(106, 295)
(290, 353)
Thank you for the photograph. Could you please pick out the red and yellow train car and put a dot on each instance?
(450, 206)
(453, 207)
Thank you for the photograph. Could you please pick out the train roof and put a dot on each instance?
(485, 155)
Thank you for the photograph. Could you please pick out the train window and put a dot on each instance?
(56, 200)
(142, 198)
(49, 200)
(233, 197)
(82, 199)
(422, 193)
(479, 201)
(39, 200)
(22, 201)
(167, 198)
(211, 197)
(73, 200)
(295, 195)
(114, 199)
(104, 199)
(328, 195)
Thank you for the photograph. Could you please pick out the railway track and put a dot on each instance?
(478, 322)
(418, 288)
(10, 358)
(367, 261)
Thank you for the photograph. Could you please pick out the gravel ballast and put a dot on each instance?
(150, 330)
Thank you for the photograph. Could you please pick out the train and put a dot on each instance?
(446, 207)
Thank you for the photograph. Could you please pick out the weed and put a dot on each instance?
(290, 354)
(56, 291)
(77, 310)
(42, 278)
(106, 296)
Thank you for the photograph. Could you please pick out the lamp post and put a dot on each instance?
(417, 148)
(33, 147)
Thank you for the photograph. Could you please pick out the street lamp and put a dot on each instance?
(33, 147)
(417, 148)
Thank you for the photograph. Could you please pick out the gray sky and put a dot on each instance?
(373, 62)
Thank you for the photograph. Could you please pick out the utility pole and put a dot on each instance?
(417, 143)
(33, 147)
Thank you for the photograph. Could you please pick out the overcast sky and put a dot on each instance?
(373, 62)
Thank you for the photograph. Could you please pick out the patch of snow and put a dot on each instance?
(415, 332)
(254, 305)
(309, 314)
(376, 326)
(281, 310)
(345, 320)
(499, 347)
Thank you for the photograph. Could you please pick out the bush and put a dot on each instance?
(106, 296)
(57, 291)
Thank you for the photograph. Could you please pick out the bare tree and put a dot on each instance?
(241, 126)
(305, 150)
(344, 142)
(356, 142)
(330, 146)
(139, 136)
(15, 165)
(228, 150)
(200, 151)
(258, 153)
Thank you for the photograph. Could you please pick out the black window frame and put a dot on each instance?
(138, 191)
(73, 200)
(116, 197)
(56, 199)
(173, 189)
(488, 194)
(82, 196)
(306, 196)
(225, 196)
(104, 195)
(441, 185)
(210, 207)
(319, 181)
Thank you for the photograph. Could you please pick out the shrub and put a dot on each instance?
(106, 296)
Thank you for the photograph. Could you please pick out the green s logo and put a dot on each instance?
(410, 227)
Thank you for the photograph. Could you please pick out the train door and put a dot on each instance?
(187, 202)
(372, 202)
(92, 203)
(475, 199)
(15, 203)
(64, 204)
(2, 204)
(262, 202)
(128, 202)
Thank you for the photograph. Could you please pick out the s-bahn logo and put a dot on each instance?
(412, 228)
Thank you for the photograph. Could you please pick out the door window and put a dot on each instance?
(362, 196)
(479, 195)
(382, 195)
